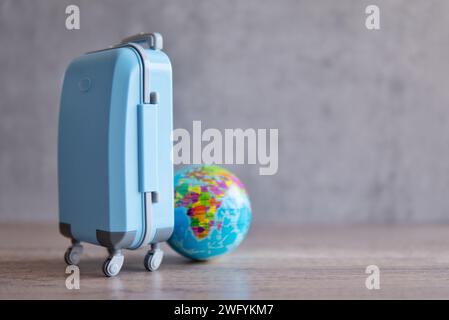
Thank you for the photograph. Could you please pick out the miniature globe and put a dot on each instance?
(212, 212)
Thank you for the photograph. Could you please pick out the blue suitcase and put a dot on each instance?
(115, 169)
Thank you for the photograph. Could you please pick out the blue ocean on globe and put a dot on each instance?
(212, 212)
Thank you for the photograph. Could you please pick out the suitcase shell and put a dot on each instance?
(115, 169)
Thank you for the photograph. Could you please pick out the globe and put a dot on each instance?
(212, 212)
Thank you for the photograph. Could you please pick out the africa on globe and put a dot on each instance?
(212, 212)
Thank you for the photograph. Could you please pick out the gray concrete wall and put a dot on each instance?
(363, 116)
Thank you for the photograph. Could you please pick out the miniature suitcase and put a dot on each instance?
(115, 170)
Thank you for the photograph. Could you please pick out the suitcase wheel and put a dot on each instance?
(113, 264)
(153, 258)
(72, 255)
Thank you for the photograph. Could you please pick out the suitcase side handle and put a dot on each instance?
(148, 145)
(148, 158)
(153, 40)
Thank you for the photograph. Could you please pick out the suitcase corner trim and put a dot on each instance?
(66, 230)
(115, 240)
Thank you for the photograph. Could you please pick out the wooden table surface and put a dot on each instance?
(273, 263)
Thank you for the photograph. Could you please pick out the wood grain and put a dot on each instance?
(278, 262)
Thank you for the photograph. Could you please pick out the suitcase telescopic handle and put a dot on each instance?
(152, 40)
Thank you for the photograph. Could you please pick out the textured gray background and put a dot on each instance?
(363, 116)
